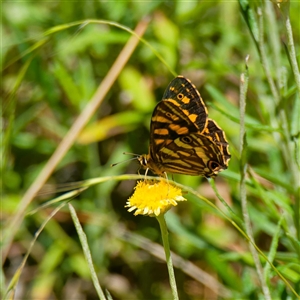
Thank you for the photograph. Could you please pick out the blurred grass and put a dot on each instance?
(48, 80)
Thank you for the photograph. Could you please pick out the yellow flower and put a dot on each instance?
(153, 198)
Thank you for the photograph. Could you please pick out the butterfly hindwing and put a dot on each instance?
(191, 154)
(214, 132)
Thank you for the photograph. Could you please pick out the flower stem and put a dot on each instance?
(164, 234)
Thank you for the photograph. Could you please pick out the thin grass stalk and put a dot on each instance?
(243, 192)
(274, 41)
(295, 68)
(14, 281)
(286, 147)
(292, 51)
(273, 249)
(164, 234)
(108, 295)
(28, 51)
(8, 107)
(229, 209)
(87, 252)
(71, 136)
(65, 197)
(289, 150)
(111, 23)
(264, 60)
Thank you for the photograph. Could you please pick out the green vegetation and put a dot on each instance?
(70, 88)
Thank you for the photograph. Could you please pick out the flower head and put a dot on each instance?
(153, 198)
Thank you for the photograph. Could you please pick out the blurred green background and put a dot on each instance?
(45, 88)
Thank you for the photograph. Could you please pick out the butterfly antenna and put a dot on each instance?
(127, 153)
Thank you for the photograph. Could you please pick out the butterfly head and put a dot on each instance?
(143, 160)
(147, 163)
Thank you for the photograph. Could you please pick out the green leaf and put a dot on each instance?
(134, 84)
(67, 83)
(110, 126)
(249, 16)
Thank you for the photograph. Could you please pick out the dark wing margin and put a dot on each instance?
(217, 135)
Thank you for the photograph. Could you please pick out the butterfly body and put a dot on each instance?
(183, 140)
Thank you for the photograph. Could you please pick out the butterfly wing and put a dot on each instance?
(183, 94)
(217, 136)
(167, 124)
(177, 146)
(182, 139)
(192, 154)
(182, 111)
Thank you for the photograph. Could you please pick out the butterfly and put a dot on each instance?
(183, 140)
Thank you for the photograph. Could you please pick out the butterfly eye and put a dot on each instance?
(180, 96)
(213, 165)
(186, 139)
(142, 160)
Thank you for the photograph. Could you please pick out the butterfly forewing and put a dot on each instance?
(185, 95)
(167, 123)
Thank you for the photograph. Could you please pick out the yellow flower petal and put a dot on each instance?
(153, 198)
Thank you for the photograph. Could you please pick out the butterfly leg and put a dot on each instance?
(166, 176)
(146, 173)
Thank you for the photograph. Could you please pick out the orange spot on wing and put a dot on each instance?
(179, 130)
(161, 131)
(186, 100)
(193, 117)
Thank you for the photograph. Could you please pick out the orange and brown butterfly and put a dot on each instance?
(183, 140)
